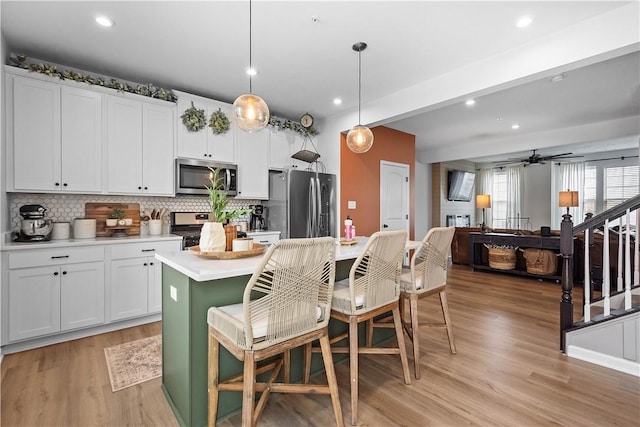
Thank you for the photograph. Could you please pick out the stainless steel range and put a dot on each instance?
(189, 224)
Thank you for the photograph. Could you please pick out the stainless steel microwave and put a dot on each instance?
(192, 176)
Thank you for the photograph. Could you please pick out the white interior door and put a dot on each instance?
(394, 196)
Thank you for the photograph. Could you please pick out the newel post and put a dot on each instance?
(566, 250)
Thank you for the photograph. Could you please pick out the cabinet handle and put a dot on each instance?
(64, 273)
(56, 273)
(65, 184)
(60, 256)
(206, 155)
(150, 263)
(146, 188)
(139, 188)
(57, 184)
(145, 264)
(148, 250)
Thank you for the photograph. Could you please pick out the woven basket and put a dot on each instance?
(502, 259)
(540, 261)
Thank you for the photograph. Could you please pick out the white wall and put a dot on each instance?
(422, 197)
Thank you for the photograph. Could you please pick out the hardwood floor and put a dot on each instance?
(508, 371)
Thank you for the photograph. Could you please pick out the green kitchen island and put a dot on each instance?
(190, 285)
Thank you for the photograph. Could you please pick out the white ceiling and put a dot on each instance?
(302, 51)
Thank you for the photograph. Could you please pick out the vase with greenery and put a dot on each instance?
(212, 235)
(114, 216)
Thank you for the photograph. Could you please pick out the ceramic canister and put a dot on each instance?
(61, 231)
(84, 228)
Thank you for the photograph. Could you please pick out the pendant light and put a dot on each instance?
(250, 111)
(360, 137)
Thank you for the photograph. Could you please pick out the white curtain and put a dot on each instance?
(567, 176)
(485, 186)
(514, 196)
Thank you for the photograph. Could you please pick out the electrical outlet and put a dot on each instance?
(174, 293)
(351, 204)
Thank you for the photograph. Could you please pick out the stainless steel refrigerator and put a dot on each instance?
(301, 204)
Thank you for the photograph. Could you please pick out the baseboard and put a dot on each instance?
(615, 363)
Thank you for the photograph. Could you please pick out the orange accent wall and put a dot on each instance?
(360, 178)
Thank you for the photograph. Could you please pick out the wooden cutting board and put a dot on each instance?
(100, 211)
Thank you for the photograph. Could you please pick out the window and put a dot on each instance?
(499, 199)
(620, 183)
(589, 200)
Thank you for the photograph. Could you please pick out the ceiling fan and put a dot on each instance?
(535, 159)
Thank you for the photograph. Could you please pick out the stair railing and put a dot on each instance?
(625, 280)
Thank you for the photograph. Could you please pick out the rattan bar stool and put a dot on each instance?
(372, 289)
(427, 276)
(295, 283)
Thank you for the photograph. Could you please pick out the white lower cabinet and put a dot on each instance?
(45, 300)
(136, 279)
(69, 289)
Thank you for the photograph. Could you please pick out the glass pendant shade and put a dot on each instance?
(360, 139)
(251, 113)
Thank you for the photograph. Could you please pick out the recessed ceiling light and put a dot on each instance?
(104, 21)
(558, 78)
(251, 71)
(337, 101)
(470, 102)
(524, 21)
(515, 126)
(499, 119)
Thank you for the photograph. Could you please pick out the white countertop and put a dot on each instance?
(13, 246)
(202, 269)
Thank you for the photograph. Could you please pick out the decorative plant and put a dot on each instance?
(285, 124)
(116, 214)
(219, 122)
(193, 118)
(20, 61)
(218, 200)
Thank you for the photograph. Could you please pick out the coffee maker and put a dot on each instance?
(34, 227)
(257, 218)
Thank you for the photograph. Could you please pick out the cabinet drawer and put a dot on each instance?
(45, 257)
(135, 250)
(502, 240)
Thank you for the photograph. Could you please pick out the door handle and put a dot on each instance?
(385, 226)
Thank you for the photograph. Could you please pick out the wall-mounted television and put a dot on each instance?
(460, 185)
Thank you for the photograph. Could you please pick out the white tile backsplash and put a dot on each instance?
(66, 207)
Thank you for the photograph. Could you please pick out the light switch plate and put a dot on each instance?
(174, 293)
(351, 204)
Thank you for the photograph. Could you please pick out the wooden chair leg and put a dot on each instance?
(308, 352)
(331, 378)
(370, 333)
(213, 378)
(249, 389)
(403, 349)
(415, 329)
(353, 367)
(447, 321)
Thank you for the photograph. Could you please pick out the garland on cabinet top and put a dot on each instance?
(194, 120)
(20, 61)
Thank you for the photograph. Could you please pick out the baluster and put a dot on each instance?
(620, 237)
(606, 272)
(587, 278)
(636, 255)
(627, 260)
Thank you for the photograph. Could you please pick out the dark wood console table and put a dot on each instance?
(479, 254)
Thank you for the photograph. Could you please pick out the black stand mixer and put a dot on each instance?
(34, 227)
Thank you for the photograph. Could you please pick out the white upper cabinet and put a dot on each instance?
(55, 137)
(139, 147)
(282, 144)
(253, 168)
(204, 144)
